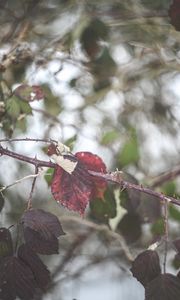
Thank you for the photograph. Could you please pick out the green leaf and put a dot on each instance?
(25, 107)
(1, 201)
(104, 66)
(176, 261)
(51, 102)
(130, 227)
(6, 246)
(130, 151)
(104, 209)
(13, 107)
(22, 124)
(109, 137)
(48, 176)
(169, 188)
(71, 141)
(174, 213)
(158, 227)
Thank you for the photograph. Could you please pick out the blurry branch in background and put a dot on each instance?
(161, 179)
(102, 229)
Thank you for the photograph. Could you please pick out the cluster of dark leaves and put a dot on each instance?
(146, 269)
(174, 14)
(23, 274)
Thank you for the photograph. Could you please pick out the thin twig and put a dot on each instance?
(29, 205)
(28, 140)
(165, 177)
(3, 188)
(166, 234)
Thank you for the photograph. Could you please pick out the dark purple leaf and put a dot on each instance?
(6, 246)
(40, 272)
(164, 287)
(146, 267)
(39, 243)
(16, 279)
(45, 223)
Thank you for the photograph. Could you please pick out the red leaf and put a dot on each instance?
(74, 190)
(96, 164)
(174, 14)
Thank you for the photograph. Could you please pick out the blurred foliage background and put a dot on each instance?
(110, 75)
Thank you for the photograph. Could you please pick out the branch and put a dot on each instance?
(114, 177)
(29, 140)
(34, 161)
(165, 177)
